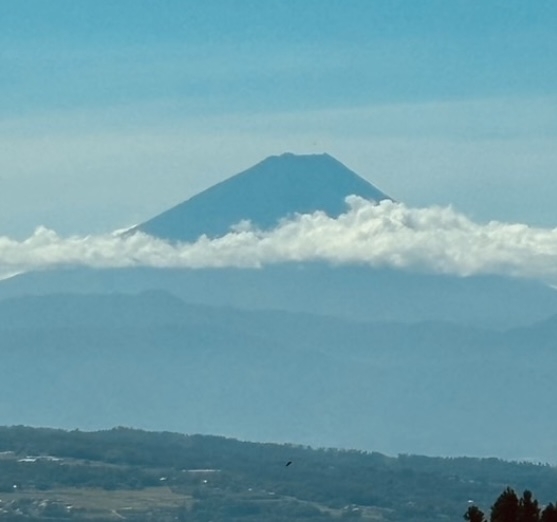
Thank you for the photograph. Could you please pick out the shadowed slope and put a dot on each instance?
(277, 187)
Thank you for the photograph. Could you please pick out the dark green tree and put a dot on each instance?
(474, 514)
(549, 514)
(506, 507)
(529, 510)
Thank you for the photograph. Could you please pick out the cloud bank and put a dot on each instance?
(434, 239)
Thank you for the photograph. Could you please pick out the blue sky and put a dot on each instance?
(111, 112)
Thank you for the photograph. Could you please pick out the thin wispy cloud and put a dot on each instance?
(434, 239)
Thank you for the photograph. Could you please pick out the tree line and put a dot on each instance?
(509, 507)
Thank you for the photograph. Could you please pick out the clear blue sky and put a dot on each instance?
(112, 111)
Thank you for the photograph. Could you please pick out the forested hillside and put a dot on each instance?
(136, 475)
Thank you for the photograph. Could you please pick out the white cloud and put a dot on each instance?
(433, 239)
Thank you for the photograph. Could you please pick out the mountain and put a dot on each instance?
(351, 292)
(275, 188)
(343, 356)
(155, 362)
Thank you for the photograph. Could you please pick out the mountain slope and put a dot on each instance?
(275, 188)
(153, 361)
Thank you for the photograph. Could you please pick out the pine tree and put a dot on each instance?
(549, 514)
(474, 514)
(529, 510)
(506, 507)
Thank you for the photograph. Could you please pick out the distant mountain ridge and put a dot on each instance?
(153, 361)
(354, 292)
(275, 188)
